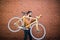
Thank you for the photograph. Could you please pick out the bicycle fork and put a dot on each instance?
(37, 25)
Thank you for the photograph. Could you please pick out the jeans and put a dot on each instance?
(26, 33)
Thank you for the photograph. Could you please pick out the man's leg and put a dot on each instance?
(30, 37)
(25, 34)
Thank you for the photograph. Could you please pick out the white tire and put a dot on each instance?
(11, 21)
(43, 30)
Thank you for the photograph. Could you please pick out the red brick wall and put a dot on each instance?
(48, 8)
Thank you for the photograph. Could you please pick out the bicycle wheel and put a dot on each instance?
(38, 35)
(11, 25)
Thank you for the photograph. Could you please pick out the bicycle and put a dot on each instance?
(19, 27)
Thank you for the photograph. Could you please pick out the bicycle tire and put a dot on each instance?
(10, 22)
(43, 34)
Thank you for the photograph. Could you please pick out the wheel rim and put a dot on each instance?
(10, 22)
(40, 37)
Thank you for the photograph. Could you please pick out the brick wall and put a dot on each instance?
(48, 8)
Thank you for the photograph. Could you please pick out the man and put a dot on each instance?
(27, 21)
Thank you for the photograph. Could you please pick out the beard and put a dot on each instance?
(30, 16)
